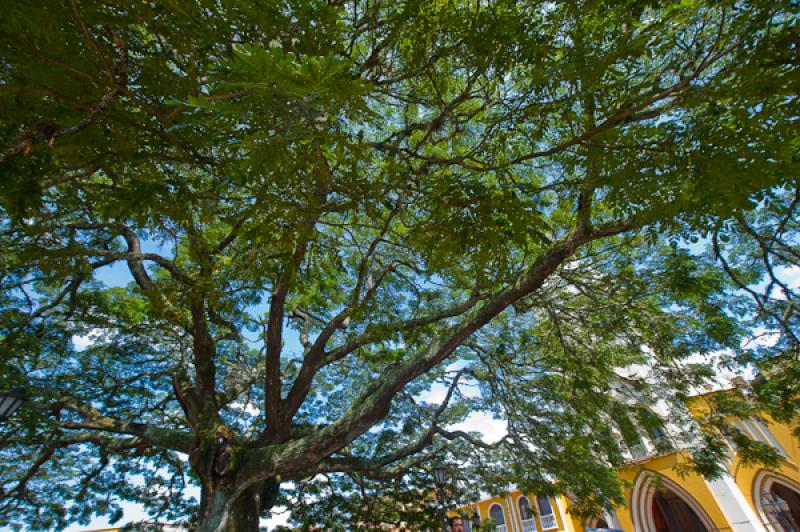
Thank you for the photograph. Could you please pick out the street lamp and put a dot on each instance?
(439, 474)
(476, 521)
(10, 401)
(439, 477)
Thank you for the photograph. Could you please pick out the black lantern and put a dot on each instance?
(439, 474)
(10, 401)
(476, 521)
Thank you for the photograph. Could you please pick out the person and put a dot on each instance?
(456, 524)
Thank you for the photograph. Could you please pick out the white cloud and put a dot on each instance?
(248, 408)
(470, 390)
(136, 513)
(435, 394)
(761, 338)
(438, 391)
(280, 516)
(723, 373)
(132, 513)
(789, 275)
(81, 342)
(491, 428)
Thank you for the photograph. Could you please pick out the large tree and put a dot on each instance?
(281, 222)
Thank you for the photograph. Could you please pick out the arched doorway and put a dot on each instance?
(660, 505)
(777, 499)
(596, 522)
(607, 519)
(672, 514)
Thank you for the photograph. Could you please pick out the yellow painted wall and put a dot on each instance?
(692, 483)
(745, 475)
(665, 466)
(511, 512)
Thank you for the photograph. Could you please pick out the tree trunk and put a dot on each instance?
(245, 511)
(241, 515)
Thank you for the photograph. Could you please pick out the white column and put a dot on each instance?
(512, 516)
(734, 506)
(612, 519)
(562, 514)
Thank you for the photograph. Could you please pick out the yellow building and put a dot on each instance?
(518, 512)
(659, 499)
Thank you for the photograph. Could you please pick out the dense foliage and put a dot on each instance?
(245, 244)
(759, 251)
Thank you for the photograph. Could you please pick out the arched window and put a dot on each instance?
(755, 429)
(660, 504)
(778, 499)
(757, 426)
(546, 516)
(596, 522)
(496, 513)
(526, 513)
(785, 508)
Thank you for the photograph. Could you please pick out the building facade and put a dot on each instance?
(659, 498)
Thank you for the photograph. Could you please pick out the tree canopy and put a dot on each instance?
(283, 223)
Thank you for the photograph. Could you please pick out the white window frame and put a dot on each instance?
(766, 435)
(528, 525)
(499, 527)
(543, 516)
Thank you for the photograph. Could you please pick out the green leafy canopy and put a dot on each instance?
(283, 223)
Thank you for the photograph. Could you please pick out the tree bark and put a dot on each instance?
(245, 511)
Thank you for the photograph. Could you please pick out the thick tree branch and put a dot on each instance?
(315, 361)
(94, 420)
(316, 350)
(135, 259)
(139, 256)
(204, 351)
(277, 424)
(374, 404)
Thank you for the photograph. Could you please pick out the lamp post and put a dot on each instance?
(439, 477)
(10, 401)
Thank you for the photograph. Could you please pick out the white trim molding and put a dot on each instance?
(762, 483)
(734, 506)
(644, 491)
